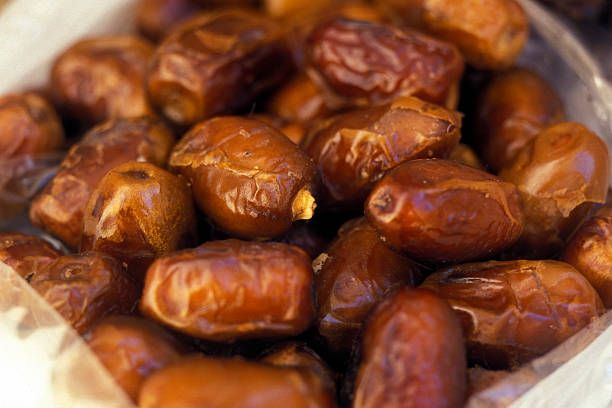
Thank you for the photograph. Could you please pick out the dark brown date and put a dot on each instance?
(102, 78)
(246, 176)
(355, 149)
(156, 18)
(85, 288)
(137, 213)
(131, 349)
(442, 211)
(307, 237)
(28, 125)
(232, 383)
(590, 251)
(514, 311)
(26, 254)
(299, 355)
(514, 108)
(354, 274)
(560, 175)
(489, 33)
(369, 63)
(412, 354)
(217, 65)
(301, 100)
(60, 207)
(231, 290)
(464, 154)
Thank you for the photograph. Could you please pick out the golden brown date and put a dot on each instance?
(412, 354)
(246, 176)
(156, 18)
(137, 213)
(464, 154)
(442, 211)
(514, 311)
(590, 251)
(28, 125)
(301, 100)
(230, 290)
(60, 207)
(514, 108)
(292, 130)
(354, 150)
(560, 174)
(354, 274)
(368, 63)
(26, 254)
(489, 33)
(85, 288)
(216, 65)
(102, 78)
(233, 383)
(299, 355)
(131, 349)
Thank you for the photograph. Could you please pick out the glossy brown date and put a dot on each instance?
(156, 18)
(28, 125)
(137, 213)
(412, 354)
(489, 33)
(464, 154)
(292, 130)
(356, 272)
(353, 150)
(60, 207)
(443, 211)
(231, 290)
(514, 311)
(513, 109)
(233, 383)
(301, 100)
(590, 251)
(368, 63)
(26, 254)
(131, 349)
(560, 174)
(102, 78)
(246, 176)
(216, 65)
(299, 355)
(85, 288)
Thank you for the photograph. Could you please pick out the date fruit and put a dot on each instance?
(514, 311)
(232, 290)
(137, 213)
(442, 211)
(26, 254)
(156, 18)
(246, 176)
(412, 354)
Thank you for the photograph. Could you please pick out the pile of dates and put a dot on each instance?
(312, 203)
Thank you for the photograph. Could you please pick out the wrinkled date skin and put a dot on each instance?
(354, 274)
(489, 33)
(369, 63)
(442, 211)
(232, 383)
(514, 108)
(156, 18)
(216, 65)
(354, 150)
(590, 251)
(137, 213)
(560, 175)
(102, 78)
(299, 355)
(246, 176)
(85, 288)
(301, 100)
(412, 354)
(131, 349)
(514, 311)
(28, 125)
(60, 207)
(464, 154)
(26, 254)
(231, 290)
